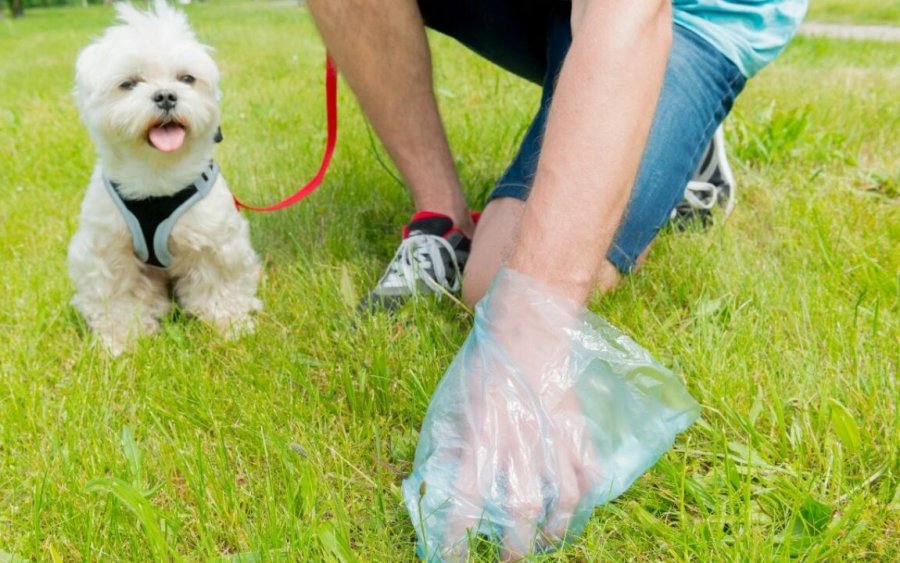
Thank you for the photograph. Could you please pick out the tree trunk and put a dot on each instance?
(17, 8)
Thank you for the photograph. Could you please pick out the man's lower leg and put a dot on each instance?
(382, 52)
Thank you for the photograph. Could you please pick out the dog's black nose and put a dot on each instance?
(165, 99)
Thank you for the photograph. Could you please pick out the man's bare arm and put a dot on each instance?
(598, 126)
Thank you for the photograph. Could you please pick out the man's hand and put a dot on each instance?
(546, 412)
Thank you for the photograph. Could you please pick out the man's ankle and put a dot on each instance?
(462, 221)
(466, 224)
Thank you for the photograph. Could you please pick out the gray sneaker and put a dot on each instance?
(712, 185)
(430, 260)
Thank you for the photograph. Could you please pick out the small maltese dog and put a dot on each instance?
(158, 217)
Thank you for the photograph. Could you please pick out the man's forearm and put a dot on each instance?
(597, 128)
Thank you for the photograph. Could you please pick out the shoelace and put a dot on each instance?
(412, 261)
(701, 195)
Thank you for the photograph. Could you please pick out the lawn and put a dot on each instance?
(291, 444)
(884, 12)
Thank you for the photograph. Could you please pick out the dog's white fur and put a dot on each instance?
(215, 271)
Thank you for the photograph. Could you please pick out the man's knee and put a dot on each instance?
(492, 241)
(608, 277)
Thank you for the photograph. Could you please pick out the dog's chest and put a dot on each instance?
(152, 221)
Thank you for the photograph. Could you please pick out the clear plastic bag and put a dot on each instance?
(546, 412)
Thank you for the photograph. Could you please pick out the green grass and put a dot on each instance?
(291, 444)
(855, 11)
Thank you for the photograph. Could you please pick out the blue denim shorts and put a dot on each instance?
(531, 38)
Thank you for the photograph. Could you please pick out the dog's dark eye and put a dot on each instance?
(128, 84)
(187, 79)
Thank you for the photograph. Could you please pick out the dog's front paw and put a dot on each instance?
(113, 345)
(235, 328)
(116, 344)
(230, 322)
(117, 339)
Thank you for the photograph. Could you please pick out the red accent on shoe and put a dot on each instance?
(475, 215)
(423, 215)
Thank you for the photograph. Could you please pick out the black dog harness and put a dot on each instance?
(151, 220)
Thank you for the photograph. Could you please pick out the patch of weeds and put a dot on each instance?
(776, 136)
(882, 184)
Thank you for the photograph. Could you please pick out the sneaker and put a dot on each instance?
(712, 185)
(430, 260)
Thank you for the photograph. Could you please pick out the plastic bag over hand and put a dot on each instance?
(546, 412)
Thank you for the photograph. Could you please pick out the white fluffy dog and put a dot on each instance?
(157, 217)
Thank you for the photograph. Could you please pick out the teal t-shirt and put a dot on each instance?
(749, 32)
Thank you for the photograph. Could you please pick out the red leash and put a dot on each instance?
(331, 109)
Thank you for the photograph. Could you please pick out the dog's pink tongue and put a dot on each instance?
(168, 137)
